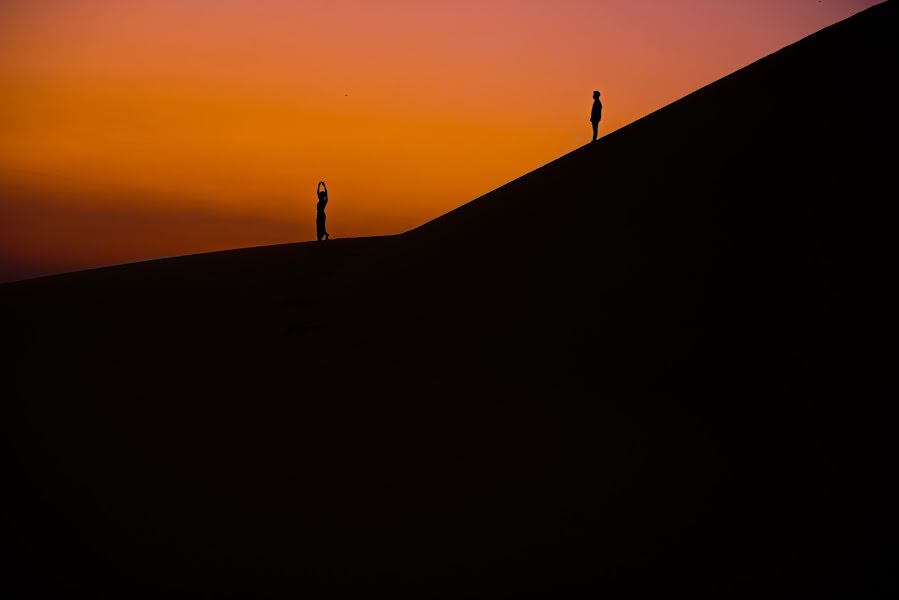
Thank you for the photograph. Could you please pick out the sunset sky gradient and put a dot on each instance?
(134, 129)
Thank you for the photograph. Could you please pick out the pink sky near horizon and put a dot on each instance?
(133, 129)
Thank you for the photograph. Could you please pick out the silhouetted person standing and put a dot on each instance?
(322, 192)
(596, 114)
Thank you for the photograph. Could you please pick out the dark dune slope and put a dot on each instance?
(648, 366)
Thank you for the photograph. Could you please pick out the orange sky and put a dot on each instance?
(133, 129)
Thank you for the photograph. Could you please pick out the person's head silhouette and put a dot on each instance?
(595, 95)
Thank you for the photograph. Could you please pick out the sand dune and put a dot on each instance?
(639, 368)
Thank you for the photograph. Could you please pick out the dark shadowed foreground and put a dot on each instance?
(649, 366)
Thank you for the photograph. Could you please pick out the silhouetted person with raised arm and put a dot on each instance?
(596, 114)
(322, 192)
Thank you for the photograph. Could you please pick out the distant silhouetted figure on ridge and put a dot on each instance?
(322, 192)
(596, 114)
